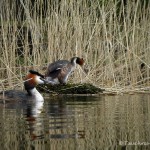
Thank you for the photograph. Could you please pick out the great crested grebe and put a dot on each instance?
(32, 79)
(59, 71)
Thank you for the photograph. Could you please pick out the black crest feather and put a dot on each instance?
(36, 73)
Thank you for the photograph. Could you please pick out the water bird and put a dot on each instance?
(59, 71)
(31, 81)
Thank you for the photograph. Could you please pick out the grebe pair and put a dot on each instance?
(57, 73)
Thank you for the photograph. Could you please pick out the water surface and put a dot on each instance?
(77, 123)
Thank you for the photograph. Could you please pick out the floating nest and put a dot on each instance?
(70, 89)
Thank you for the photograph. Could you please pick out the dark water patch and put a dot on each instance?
(113, 122)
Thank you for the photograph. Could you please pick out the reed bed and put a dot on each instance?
(112, 36)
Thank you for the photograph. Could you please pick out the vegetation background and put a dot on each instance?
(113, 36)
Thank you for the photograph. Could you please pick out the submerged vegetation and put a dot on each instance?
(112, 36)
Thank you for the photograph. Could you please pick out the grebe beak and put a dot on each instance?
(43, 79)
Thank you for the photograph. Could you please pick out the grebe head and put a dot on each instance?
(77, 60)
(32, 80)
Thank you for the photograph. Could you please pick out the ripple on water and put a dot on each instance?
(81, 122)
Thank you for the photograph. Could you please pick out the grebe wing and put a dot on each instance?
(56, 66)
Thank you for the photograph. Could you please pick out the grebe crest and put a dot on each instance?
(31, 81)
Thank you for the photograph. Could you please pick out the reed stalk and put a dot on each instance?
(112, 36)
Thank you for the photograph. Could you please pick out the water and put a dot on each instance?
(77, 123)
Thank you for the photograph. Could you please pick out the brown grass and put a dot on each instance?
(112, 37)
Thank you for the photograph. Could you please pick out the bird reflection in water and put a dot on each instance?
(49, 119)
(59, 121)
(35, 122)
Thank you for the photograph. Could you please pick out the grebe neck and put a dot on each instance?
(35, 93)
(73, 61)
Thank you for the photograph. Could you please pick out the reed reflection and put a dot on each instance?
(62, 120)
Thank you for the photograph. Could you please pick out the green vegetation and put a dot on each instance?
(112, 36)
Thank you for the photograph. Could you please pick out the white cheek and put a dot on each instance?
(38, 80)
(75, 60)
